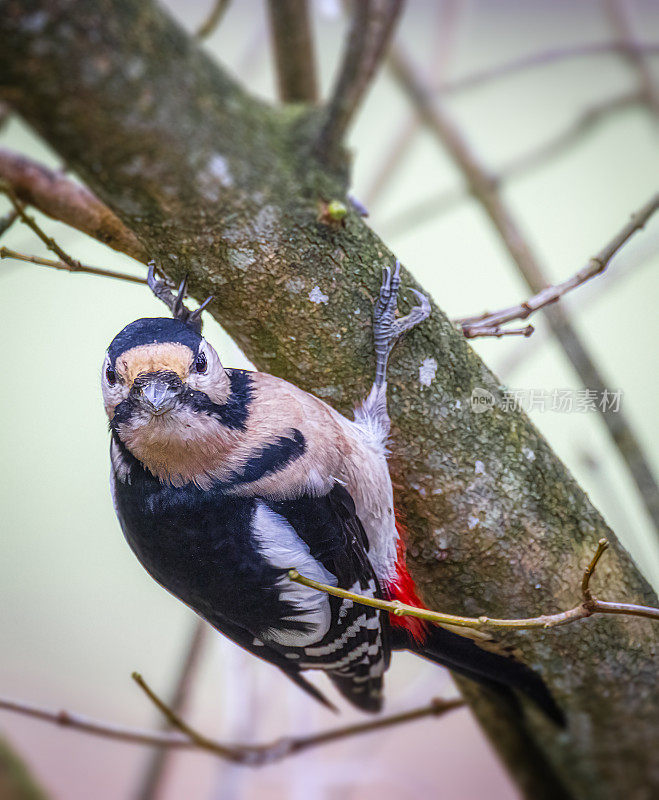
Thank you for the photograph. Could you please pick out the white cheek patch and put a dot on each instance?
(120, 467)
(280, 545)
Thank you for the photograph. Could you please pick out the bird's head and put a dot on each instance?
(159, 367)
(165, 394)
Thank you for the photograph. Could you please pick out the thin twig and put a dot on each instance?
(63, 199)
(50, 243)
(525, 63)
(407, 220)
(252, 755)
(214, 18)
(5, 252)
(572, 134)
(373, 24)
(620, 15)
(596, 266)
(494, 331)
(513, 238)
(154, 773)
(591, 292)
(292, 40)
(587, 608)
(447, 24)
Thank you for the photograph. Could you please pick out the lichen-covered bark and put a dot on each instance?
(221, 186)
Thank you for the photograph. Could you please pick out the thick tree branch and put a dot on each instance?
(218, 185)
(252, 755)
(485, 191)
(373, 24)
(59, 197)
(292, 41)
(596, 266)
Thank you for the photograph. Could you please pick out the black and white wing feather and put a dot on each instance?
(348, 642)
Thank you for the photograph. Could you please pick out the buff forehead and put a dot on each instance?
(170, 356)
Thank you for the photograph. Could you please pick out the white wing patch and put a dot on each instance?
(280, 545)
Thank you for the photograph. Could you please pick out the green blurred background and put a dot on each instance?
(79, 613)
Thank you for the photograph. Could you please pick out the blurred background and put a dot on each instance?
(79, 613)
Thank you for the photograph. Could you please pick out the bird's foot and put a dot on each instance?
(174, 300)
(387, 328)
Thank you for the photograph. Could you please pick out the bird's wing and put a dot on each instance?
(350, 643)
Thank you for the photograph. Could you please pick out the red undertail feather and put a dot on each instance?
(403, 589)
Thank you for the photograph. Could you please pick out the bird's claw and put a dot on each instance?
(387, 329)
(174, 300)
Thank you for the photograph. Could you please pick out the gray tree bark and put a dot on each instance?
(226, 188)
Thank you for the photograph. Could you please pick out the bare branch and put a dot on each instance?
(597, 264)
(619, 13)
(419, 213)
(212, 21)
(447, 23)
(155, 771)
(252, 755)
(587, 608)
(525, 63)
(292, 40)
(591, 292)
(66, 201)
(66, 261)
(486, 193)
(482, 331)
(75, 266)
(373, 24)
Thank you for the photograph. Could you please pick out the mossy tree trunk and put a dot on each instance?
(228, 189)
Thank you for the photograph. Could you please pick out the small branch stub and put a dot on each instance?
(332, 213)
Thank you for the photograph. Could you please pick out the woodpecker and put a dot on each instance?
(223, 480)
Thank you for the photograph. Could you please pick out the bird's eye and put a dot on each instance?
(200, 363)
(110, 375)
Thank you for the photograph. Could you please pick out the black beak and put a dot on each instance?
(158, 392)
